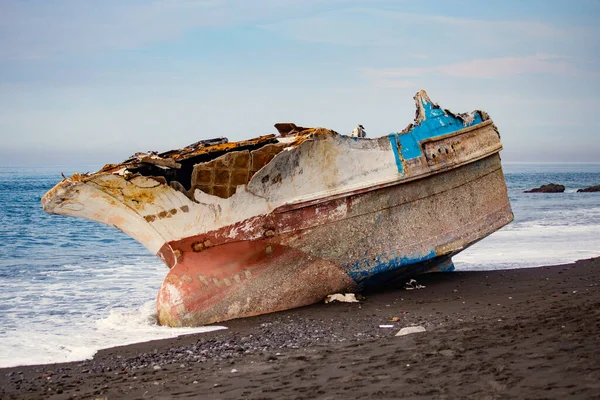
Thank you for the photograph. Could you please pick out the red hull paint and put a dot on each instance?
(245, 278)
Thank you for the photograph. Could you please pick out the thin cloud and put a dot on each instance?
(476, 69)
(33, 31)
(363, 25)
(490, 26)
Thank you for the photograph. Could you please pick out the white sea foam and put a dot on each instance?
(531, 244)
(69, 312)
(59, 340)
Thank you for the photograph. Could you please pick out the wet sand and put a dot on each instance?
(528, 333)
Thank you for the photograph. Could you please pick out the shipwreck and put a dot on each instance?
(282, 221)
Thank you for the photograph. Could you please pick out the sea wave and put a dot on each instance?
(82, 337)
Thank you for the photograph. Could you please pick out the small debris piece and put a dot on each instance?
(343, 298)
(386, 326)
(395, 319)
(162, 162)
(359, 131)
(413, 284)
(288, 128)
(410, 329)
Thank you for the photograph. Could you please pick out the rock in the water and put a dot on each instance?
(589, 189)
(549, 188)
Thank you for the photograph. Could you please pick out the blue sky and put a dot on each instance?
(97, 81)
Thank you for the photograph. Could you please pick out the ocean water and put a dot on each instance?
(70, 287)
(548, 228)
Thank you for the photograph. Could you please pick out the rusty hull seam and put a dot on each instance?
(408, 202)
(279, 211)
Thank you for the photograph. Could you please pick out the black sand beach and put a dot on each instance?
(529, 333)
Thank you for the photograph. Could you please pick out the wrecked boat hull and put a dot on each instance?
(341, 245)
(274, 223)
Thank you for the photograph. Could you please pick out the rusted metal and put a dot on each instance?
(288, 128)
(278, 222)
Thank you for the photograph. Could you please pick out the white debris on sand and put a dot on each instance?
(410, 329)
(413, 284)
(344, 298)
